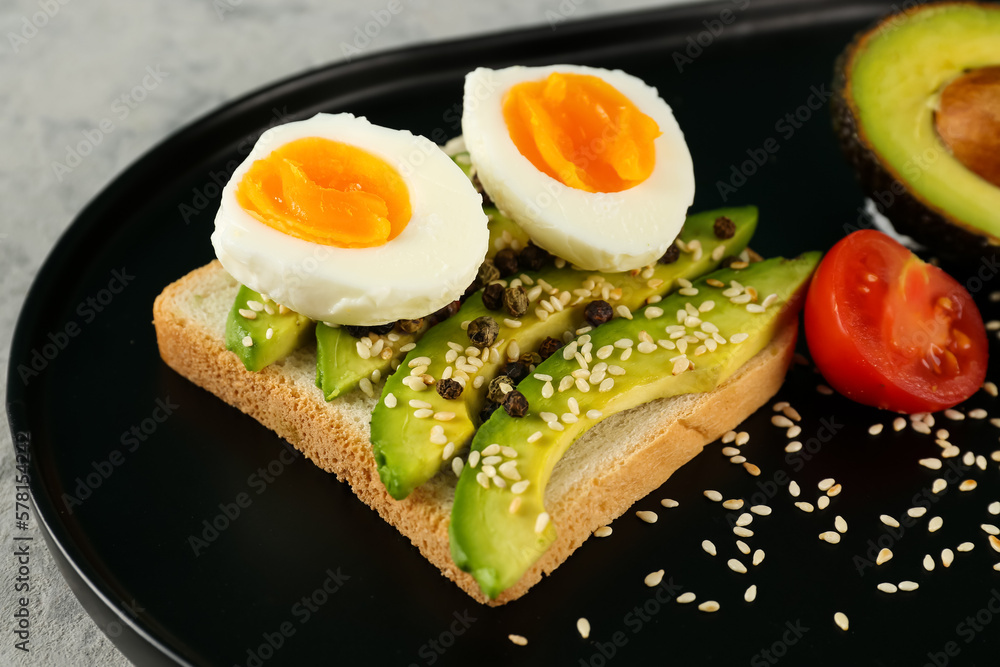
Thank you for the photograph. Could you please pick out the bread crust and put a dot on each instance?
(666, 433)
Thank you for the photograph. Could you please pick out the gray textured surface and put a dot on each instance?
(58, 81)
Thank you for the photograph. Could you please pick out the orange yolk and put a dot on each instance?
(581, 131)
(327, 192)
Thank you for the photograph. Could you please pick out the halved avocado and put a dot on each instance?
(916, 100)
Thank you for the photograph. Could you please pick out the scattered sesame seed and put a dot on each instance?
(994, 508)
(518, 639)
(751, 593)
(758, 557)
(731, 435)
(947, 556)
(826, 483)
(921, 427)
(583, 627)
(793, 489)
(730, 451)
(967, 485)
(804, 506)
(743, 547)
(709, 606)
(978, 413)
(835, 490)
(685, 598)
(981, 462)
(875, 429)
(990, 387)
(736, 566)
(898, 424)
(781, 421)
(594, 414)
(840, 618)
(884, 556)
(939, 485)
(953, 414)
(733, 504)
(761, 510)
(823, 389)
(603, 531)
(995, 543)
(742, 532)
(647, 516)
(916, 512)
(929, 563)
(965, 546)
(751, 468)
(990, 529)
(669, 503)
(713, 495)
(457, 464)
(247, 341)
(886, 587)
(793, 446)
(823, 502)
(840, 524)
(830, 536)
(742, 438)
(744, 519)
(908, 585)
(935, 524)
(931, 463)
(541, 522)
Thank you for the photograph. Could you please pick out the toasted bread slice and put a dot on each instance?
(610, 467)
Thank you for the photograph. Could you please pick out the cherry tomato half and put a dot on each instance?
(889, 330)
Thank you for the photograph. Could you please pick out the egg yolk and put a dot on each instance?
(327, 192)
(581, 131)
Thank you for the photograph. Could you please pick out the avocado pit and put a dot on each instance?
(968, 121)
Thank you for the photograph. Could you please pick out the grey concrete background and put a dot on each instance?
(63, 65)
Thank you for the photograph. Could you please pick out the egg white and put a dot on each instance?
(602, 231)
(430, 263)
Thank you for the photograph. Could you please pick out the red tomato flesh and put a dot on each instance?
(889, 330)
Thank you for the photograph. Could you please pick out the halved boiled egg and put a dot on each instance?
(590, 162)
(348, 222)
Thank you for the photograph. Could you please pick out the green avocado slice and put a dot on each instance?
(512, 458)
(888, 84)
(414, 430)
(343, 361)
(273, 331)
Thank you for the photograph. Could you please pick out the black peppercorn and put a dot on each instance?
(530, 359)
(516, 371)
(515, 404)
(477, 184)
(483, 331)
(493, 296)
(506, 261)
(495, 390)
(473, 287)
(449, 389)
(671, 255)
(356, 331)
(728, 260)
(724, 228)
(488, 272)
(548, 347)
(488, 409)
(533, 257)
(382, 329)
(447, 311)
(515, 301)
(410, 326)
(598, 312)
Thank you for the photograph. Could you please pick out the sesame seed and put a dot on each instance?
(908, 585)
(990, 528)
(709, 606)
(744, 519)
(981, 462)
(582, 385)
(830, 536)
(953, 414)
(990, 387)
(555, 426)
(730, 436)
(541, 522)
(793, 446)
(738, 338)
(647, 516)
(742, 532)
(947, 556)
(898, 424)
(978, 413)
(886, 587)
(994, 508)
(967, 485)
(916, 512)
(804, 506)
(603, 531)
(825, 390)
(793, 432)
(793, 489)
(653, 578)
(730, 451)
(742, 438)
(823, 502)
(448, 451)
(750, 468)
(965, 546)
(743, 547)
(931, 463)
(761, 510)
(457, 464)
(883, 556)
(835, 490)
(733, 504)
(969, 458)
(623, 311)
(248, 314)
(840, 618)
(840, 524)
(781, 421)
(875, 429)
(518, 639)
(594, 414)
(889, 521)
(247, 341)
(686, 598)
(921, 427)
(583, 627)
(751, 593)
(713, 495)
(929, 563)
(736, 566)
(483, 480)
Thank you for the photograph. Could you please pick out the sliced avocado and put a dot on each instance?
(498, 522)
(272, 331)
(410, 449)
(892, 104)
(342, 360)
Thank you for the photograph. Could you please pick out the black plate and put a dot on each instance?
(125, 548)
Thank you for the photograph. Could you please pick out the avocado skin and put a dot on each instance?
(909, 214)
